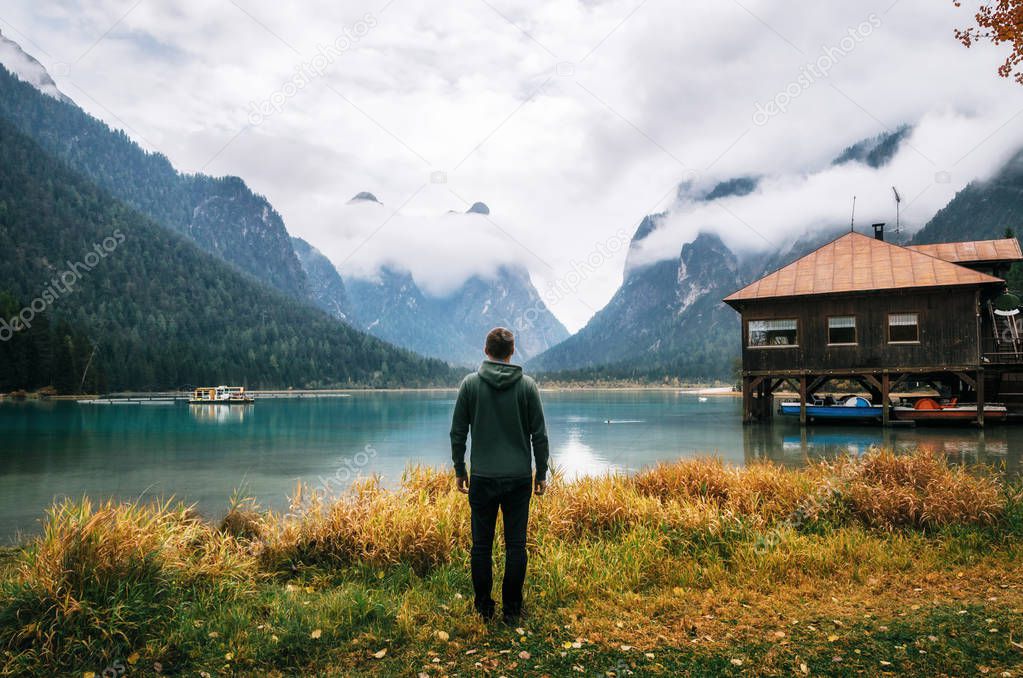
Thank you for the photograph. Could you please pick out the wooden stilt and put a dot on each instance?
(747, 400)
(802, 400)
(885, 390)
(980, 398)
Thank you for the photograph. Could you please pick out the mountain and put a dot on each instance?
(326, 288)
(981, 211)
(391, 306)
(452, 327)
(667, 318)
(509, 299)
(664, 319)
(27, 69)
(221, 215)
(876, 151)
(146, 308)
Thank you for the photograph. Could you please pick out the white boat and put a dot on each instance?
(220, 395)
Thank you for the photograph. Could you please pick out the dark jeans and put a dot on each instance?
(511, 495)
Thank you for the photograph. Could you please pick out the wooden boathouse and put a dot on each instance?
(885, 317)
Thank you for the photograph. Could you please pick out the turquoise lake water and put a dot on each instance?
(202, 453)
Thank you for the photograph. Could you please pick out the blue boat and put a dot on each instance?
(852, 408)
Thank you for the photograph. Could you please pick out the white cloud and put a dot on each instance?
(563, 160)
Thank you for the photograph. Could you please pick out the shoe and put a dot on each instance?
(512, 617)
(487, 612)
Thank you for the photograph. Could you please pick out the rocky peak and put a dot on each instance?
(364, 196)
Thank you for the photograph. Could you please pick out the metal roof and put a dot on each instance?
(858, 263)
(1005, 249)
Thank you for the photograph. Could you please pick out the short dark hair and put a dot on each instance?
(500, 343)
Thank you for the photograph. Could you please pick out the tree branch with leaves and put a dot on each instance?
(998, 22)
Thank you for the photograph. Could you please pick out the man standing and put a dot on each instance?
(501, 408)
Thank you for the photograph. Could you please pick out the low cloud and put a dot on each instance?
(571, 119)
(943, 153)
(440, 250)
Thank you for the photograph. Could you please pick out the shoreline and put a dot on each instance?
(328, 392)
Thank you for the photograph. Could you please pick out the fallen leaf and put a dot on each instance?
(626, 648)
(737, 662)
(315, 635)
(133, 658)
(804, 668)
(567, 645)
(443, 635)
(214, 634)
(524, 655)
(89, 674)
(229, 656)
(381, 653)
(521, 631)
(832, 638)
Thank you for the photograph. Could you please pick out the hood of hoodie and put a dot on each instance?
(500, 375)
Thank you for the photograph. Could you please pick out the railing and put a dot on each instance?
(1001, 352)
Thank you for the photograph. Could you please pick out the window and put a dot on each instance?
(772, 333)
(842, 329)
(903, 328)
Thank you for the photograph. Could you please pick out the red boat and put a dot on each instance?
(929, 409)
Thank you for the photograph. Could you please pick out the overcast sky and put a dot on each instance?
(571, 120)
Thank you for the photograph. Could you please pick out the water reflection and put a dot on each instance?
(218, 414)
(574, 458)
(787, 444)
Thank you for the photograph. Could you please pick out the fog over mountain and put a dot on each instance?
(570, 120)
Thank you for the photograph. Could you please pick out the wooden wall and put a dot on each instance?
(947, 320)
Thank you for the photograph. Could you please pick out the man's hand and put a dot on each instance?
(462, 483)
(539, 487)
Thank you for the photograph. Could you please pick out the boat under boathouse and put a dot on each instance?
(863, 312)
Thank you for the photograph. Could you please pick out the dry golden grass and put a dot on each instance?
(419, 524)
(663, 543)
(762, 490)
(424, 520)
(921, 490)
(84, 545)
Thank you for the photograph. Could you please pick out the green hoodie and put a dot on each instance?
(502, 409)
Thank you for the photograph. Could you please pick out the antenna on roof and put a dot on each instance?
(852, 219)
(898, 201)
